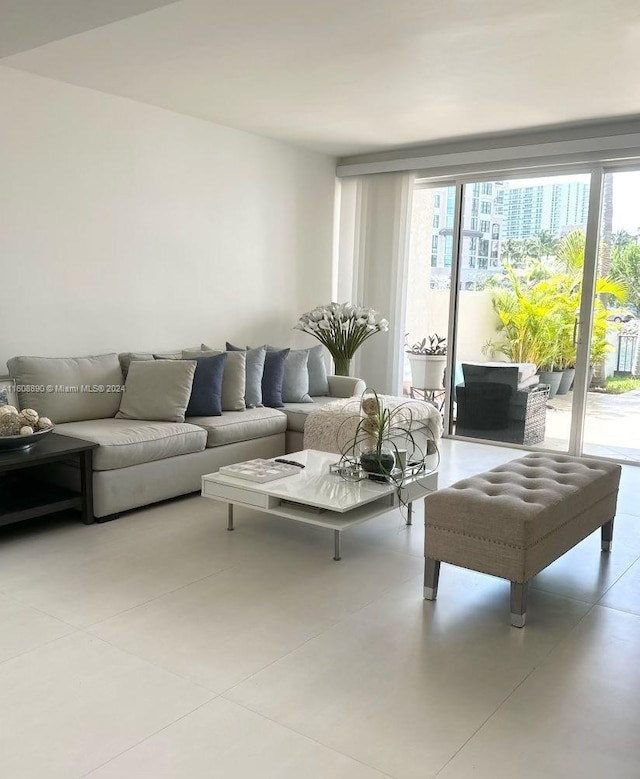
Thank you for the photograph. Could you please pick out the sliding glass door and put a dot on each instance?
(535, 282)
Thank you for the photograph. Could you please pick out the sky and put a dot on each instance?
(626, 196)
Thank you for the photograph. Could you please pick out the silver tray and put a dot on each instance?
(12, 442)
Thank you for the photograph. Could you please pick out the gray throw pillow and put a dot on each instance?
(157, 390)
(234, 379)
(255, 371)
(316, 368)
(295, 385)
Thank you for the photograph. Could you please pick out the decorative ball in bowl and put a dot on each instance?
(21, 429)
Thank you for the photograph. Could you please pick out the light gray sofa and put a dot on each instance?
(142, 462)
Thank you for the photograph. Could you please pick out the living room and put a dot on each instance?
(187, 173)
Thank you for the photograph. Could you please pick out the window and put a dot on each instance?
(472, 262)
(487, 188)
(436, 201)
(483, 262)
(474, 222)
(434, 260)
(495, 232)
(473, 246)
(448, 250)
(485, 207)
(494, 249)
(474, 206)
(476, 190)
(484, 249)
(484, 226)
(436, 220)
(434, 244)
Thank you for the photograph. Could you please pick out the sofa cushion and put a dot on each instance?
(206, 392)
(68, 389)
(124, 442)
(233, 380)
(273, 378)
(158, 391)
(297, 413)
(235, 426)
(255, 369)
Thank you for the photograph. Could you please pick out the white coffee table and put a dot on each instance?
(317, 497)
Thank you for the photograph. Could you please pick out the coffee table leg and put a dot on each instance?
(409, 513)
(86, 486)
(336, 545)
(230, 516)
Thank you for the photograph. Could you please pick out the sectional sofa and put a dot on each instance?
(139, 462)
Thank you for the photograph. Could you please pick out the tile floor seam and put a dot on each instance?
(616, 609)
(40, 646)
(309, 738)
(151, 600)
(40, 610)
(485, 722)
(542, 661)
(146, 738)
(348, 615)
(146, 660)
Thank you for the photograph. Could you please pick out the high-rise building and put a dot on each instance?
(553, 207)
(481, 234)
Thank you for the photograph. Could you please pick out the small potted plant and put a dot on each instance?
(428, 359)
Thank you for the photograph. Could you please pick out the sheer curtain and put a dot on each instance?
(373, 247)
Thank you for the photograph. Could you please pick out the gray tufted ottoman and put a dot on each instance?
(518, 518)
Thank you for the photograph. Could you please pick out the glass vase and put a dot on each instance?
(342, 365)
(377, 462)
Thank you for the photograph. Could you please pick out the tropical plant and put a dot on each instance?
(625, 267)
(538, 319)
(432, 345)
(381, 430)
(342, 328)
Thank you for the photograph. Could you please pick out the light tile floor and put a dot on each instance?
(160, 646)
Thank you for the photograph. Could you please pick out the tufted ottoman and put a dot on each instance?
(518, 518)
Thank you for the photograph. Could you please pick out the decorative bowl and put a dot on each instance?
(13, 442)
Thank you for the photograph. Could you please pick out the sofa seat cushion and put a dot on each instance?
(235, 426)
(125, 442)
(297, 413)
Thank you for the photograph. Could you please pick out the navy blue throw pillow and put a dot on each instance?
(206, 391)
(272, 378)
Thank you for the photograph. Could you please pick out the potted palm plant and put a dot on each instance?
(428, 359)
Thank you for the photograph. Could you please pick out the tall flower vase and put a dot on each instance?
(342, 365)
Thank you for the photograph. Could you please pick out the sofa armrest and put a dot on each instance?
(345, 386)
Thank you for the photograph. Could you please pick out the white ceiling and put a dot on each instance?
(345, 76)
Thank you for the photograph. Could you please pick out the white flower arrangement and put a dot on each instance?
(342, 328)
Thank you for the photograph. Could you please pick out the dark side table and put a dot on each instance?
(22, 497)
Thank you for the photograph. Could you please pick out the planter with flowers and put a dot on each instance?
(428, 359)
(342, 328)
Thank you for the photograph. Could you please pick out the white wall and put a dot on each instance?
(128, 227)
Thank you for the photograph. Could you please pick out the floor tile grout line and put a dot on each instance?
(484, 722)
(308, 737)
(151, 663)
(151, 600)
(40, 646)
(325, 629)
(542, 662)
(147, 737)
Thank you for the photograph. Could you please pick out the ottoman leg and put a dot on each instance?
(518, 604)
(431, 576)
(606, 536)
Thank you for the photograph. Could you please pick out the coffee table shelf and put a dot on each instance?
(314, 496)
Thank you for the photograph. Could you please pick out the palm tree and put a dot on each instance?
(547, 245)
(512, 251)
